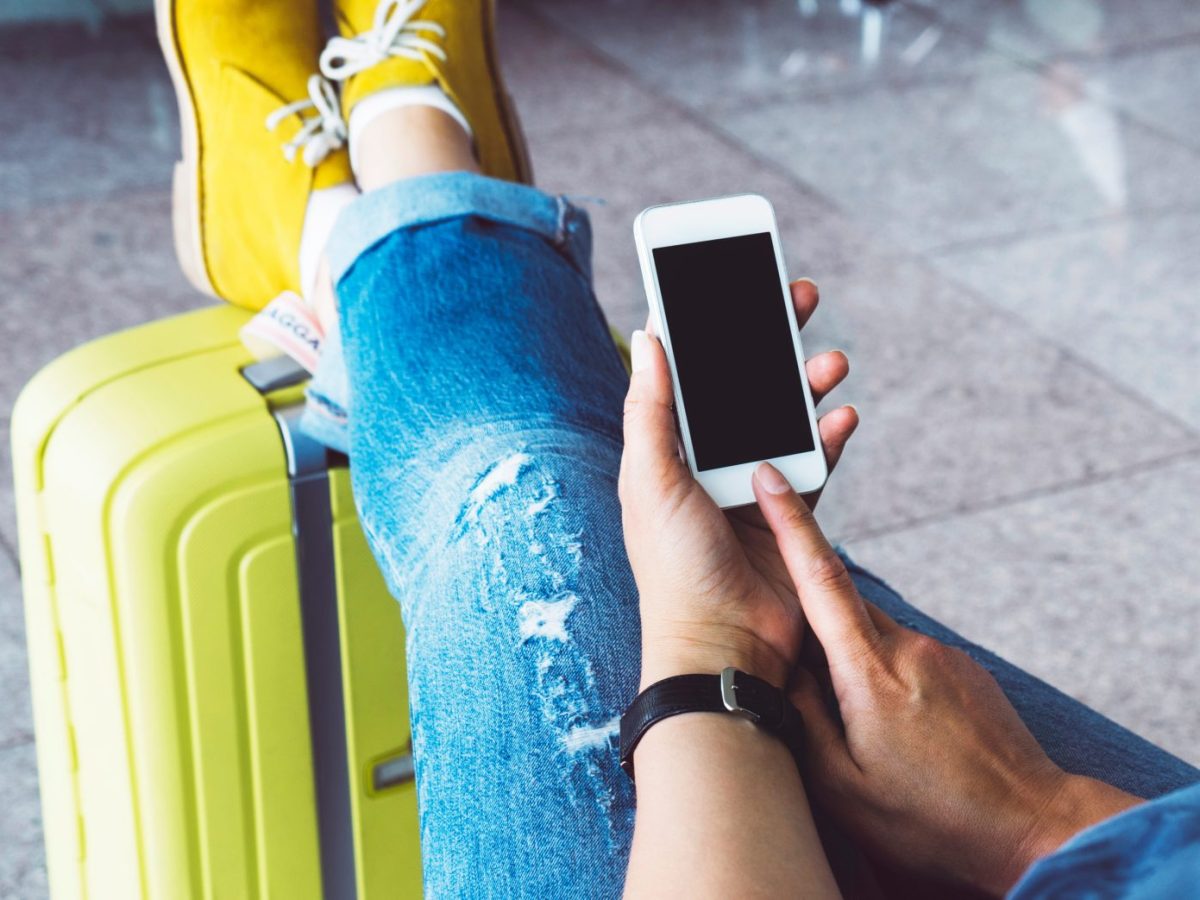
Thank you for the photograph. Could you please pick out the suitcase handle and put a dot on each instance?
(274, 374)
(308, 463)
(394, 771)
(312, 523)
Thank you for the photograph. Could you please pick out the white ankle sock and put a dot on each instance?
(368, 109)
(324, 207)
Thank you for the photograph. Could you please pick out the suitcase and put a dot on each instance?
(217, 667)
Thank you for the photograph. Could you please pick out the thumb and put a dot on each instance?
(651, 457)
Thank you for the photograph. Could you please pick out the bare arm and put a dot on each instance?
(722, 813)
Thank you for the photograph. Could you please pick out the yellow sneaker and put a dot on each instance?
(239, 202)
(447, 43)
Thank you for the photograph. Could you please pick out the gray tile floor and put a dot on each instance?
(1001, 202)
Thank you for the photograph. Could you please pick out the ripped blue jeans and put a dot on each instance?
(478, 393)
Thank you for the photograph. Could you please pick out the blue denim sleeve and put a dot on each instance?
(1151, 851)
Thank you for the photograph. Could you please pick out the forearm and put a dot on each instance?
(722, 812)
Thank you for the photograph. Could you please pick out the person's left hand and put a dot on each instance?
(714, 590)
(926, 763)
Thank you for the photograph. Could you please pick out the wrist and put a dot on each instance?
(1074, 804)
(666, 657)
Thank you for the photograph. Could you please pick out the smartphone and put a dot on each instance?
(720, 305)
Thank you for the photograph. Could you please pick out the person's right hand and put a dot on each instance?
(932, 769)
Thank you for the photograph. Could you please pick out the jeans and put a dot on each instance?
(478, 393)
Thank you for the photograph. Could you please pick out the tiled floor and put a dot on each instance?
(1000, 200)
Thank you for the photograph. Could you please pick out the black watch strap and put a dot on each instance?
(732, 692)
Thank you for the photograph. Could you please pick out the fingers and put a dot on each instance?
(825, 372)
(831, 603)
(836, 428)
(651, 455)
(805, 297)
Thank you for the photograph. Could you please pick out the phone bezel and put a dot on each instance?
(703, 220)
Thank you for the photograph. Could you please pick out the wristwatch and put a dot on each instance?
(732, 691)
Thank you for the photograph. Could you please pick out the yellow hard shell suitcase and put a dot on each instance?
(217, 667)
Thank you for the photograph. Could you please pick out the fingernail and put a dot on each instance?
(639, 350)
(805, 279)
(771, 479)
(853, 407)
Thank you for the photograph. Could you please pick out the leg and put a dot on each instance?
(1077, 738)
(410, 141)
(485, 445)
(400, 143)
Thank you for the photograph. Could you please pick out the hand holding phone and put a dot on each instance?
(713, 589)
(719, 302)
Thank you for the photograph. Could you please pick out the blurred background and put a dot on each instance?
(1000, 200)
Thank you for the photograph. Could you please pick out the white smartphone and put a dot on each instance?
(720, 305)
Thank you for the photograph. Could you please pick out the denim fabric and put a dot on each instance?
(484, 446)
(424, 201)
(479, 396)
(1147, 853)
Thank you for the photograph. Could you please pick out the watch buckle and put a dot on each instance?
(729, 695)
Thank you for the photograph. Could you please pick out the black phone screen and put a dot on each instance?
(734, 356)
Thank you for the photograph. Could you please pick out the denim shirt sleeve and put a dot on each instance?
(1152, 850)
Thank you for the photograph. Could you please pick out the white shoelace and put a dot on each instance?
(320, 134)
(396, 33)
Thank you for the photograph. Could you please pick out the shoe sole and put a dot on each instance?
(509, 117)
(186, 209)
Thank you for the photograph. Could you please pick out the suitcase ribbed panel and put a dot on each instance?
(166, 657)
(385, 817)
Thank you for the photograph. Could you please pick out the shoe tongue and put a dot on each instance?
(390, 73)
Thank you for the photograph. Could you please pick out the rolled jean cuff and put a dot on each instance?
(411, 203)
(450, 195)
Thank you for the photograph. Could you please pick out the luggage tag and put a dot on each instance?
(289, 325)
